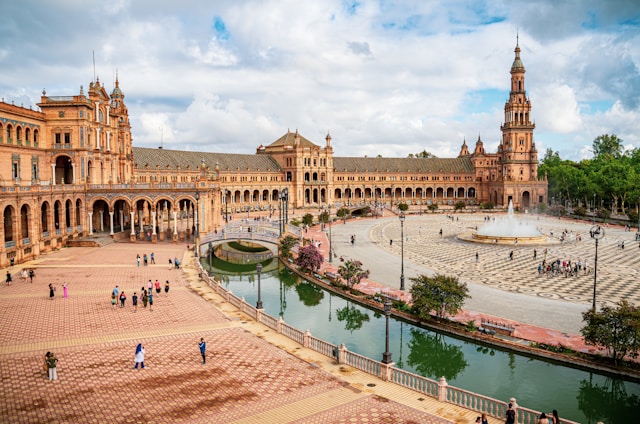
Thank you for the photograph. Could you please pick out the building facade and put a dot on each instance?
(69, 170)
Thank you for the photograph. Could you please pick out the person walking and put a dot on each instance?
(134, 302)
(166, 288)
(149, 286)
(52, 366)
(9, 278)
(139, 358)
(153, 258)
(170, 264)
(65, 292)
(157, 286)
(113, 300)
(145, 259)
(52, 291)
(31, 275)
(138, 259)
(477, 257)
(145, 298)
(123, 298)
(203, 350)
(150, 295)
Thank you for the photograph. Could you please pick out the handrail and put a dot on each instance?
(439, 390)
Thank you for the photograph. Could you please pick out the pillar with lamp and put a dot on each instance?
(259, 302)
(196, 216)
(386, 355)
(402, 218)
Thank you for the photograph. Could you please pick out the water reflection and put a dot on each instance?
(431, 355)
(578, 395)
(607, 402)
(309, 294)
(352, 317)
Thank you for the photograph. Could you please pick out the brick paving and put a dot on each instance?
(251, 375)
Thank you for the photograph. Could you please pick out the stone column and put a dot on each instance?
(442, 389)
(132, 236)
(53, 174)
(111, 222)
(175, 227)
(101, 221)
(154, 235)
(90, 223)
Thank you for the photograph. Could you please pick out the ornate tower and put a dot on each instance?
(517, 152)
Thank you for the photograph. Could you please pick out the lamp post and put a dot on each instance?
(196, 215)
(330, 242)
(402, 217)
(386, 355)
(597, 233)
(226, 206)
(259, 270)
(375, 201)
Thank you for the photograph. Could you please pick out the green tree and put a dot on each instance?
(440, 293)
(615, 329)
(403, 207)
(342, 212)
(323, 217)
(433, 207)
(459, 205)
(422, 154)
(309, 258)
(607, 147)
(352, 273)
(307, 219)
(286, 244)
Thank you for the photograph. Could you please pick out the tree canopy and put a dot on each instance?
(610, 180)
(615, 329)
(440, 293)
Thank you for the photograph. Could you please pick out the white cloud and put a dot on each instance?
(384, 78)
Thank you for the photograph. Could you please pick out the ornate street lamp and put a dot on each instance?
(330, 242)
(226, 206)
(402, 218)
(597, 232)
(386, 355)
(259, 270)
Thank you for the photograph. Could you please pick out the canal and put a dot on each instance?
(578, 395)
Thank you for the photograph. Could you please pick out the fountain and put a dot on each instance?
(508, 230)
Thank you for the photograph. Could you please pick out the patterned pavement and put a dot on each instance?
(618, 268)
(251, 375)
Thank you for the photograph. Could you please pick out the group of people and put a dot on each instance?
(145, 259)
(145, 296)
(566, 267)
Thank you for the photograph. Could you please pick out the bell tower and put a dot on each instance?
(518, 154)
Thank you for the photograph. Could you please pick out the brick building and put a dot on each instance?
(70, 170)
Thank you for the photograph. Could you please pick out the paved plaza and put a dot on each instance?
(502, 289)
(252, 375)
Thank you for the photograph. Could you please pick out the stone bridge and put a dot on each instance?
(264, 233)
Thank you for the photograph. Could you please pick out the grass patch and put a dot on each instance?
(242, 247)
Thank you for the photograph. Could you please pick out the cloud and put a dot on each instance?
(384, 77)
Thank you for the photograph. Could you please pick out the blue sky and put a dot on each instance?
(383, 77)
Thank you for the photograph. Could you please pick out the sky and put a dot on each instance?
(382, 77)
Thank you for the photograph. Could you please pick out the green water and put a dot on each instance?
(578, 395)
